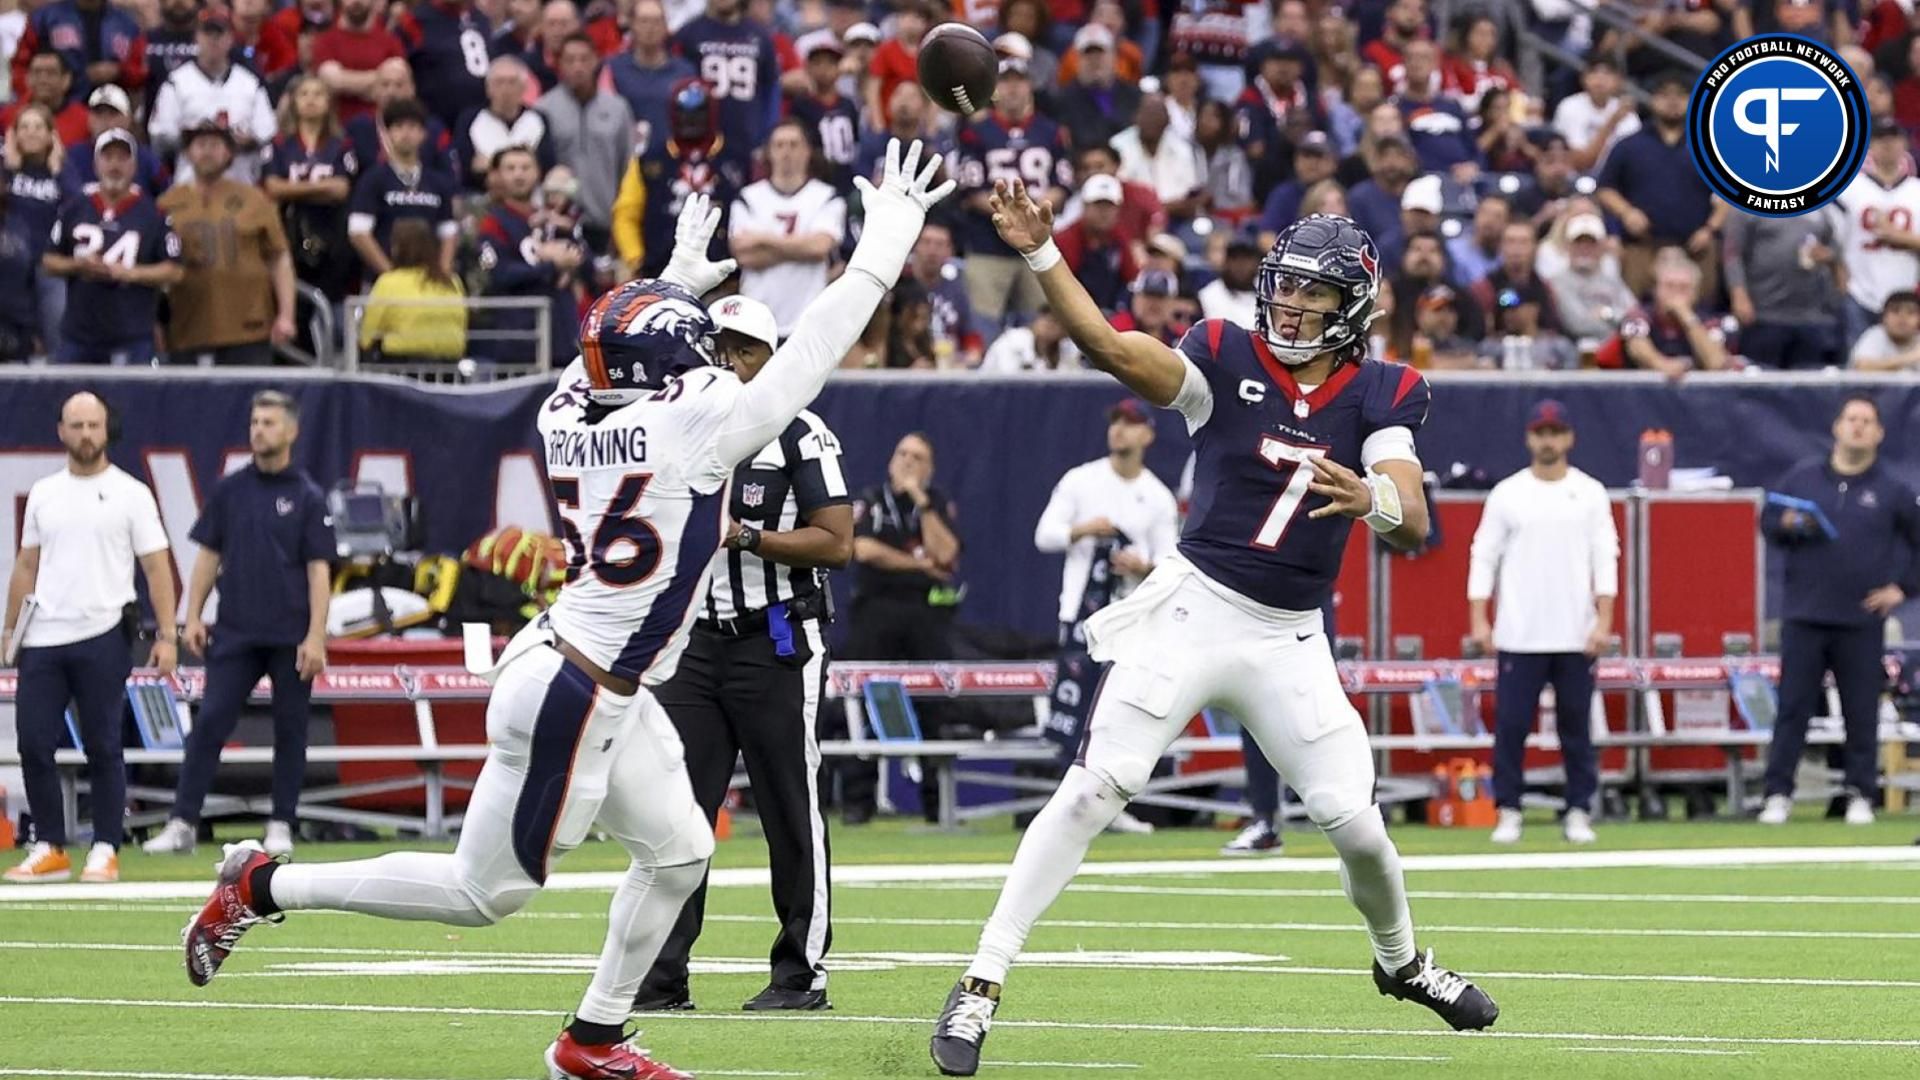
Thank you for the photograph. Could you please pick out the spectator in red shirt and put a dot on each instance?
(1473, 64)
(49, 80)
(307, 16)
(1141, 214)
(348, 55)
(1406, 24)
(1096, 247)
(896, 60)
(258, 43)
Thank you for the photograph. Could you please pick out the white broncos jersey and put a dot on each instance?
(642, 498)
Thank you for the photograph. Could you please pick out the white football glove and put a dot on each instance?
(895, 211)
(689, 267)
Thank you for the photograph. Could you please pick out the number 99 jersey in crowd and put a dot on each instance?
(641, 493)
(1247, 527)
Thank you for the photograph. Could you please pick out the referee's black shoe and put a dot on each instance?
(654, 999)
(783, 999)
(1464, 1006)
(962, 1027)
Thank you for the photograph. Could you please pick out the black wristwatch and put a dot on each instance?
(747, 539)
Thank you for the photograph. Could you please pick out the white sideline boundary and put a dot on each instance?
(928, 873)
(659, 1019)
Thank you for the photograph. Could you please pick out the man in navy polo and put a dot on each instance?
(1649, 184)
(1851, 532)
(266, 537)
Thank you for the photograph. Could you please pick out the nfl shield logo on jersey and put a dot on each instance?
(753, 494)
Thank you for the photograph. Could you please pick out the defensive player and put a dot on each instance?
(1297, 435)
(640, 439)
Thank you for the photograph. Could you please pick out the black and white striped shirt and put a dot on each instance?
(790, 479)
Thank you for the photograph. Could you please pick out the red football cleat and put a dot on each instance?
(213, 933)
(570, 1060)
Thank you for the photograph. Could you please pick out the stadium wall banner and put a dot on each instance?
(470, 455)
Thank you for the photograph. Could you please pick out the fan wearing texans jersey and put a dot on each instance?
(446, 43)
(1297, 436)
(735, 58)
(117, 251)
(693, 158)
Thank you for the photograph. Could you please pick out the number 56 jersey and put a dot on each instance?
(641, 497)
(1247, 527)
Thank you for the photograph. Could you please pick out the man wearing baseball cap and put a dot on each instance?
(1151, 307)
(1547, 555)
(109, 107)
(832, 117)
(1098, 249)
(1096, 103)
(754, 674)
(1588, 294)
(119, 251)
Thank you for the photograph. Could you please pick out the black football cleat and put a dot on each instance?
(962, 1027)
(784, 999)
(1461, 1004)
(652, 999)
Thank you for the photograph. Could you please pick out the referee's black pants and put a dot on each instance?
(892, 627)
(735, 695)
(1855, 656)
(91, 674)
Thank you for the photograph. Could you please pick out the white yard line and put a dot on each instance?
(464, 962)
(757, 877)
(1422, 894)
(1651, 1050)
(656, 1019)
(1354, 1057)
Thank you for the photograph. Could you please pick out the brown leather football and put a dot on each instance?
(958, 68)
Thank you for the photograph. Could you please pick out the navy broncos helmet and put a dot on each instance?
(641, 334)
(1330, 250)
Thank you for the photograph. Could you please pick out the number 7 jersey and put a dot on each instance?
(1247, 527)
(641, 498)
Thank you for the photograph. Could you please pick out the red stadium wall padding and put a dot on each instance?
(1427, 596)
(1704, 567)
(386, 725)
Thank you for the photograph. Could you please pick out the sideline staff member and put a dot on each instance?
(755, 670)
(83, 529)
(1840, 589)
(265, 533)
(903, 592)
(1547, 544)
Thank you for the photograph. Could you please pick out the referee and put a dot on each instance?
(83, 530)
(1851, 533)
(752, 677)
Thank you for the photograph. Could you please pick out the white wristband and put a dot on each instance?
(1042, 259)
(1385, 515)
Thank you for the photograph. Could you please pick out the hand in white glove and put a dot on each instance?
(689, 267)
(895, 211)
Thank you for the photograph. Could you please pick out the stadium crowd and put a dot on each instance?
(506, 148)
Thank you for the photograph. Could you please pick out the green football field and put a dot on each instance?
(1673, 950)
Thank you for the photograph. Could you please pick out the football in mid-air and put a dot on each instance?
(958, 68)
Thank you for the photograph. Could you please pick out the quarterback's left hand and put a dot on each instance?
(1349, 493)
(689, 267)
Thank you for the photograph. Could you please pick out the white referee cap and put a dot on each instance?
(747, 317)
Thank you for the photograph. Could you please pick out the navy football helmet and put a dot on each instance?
(638, 336)
(1331, 251)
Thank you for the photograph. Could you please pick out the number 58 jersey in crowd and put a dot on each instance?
(129, 232)
(641, 492)
(1247, 527)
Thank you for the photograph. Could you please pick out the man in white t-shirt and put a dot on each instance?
(84, 528)
(1880, 230)
(1598, 117)
(785, 229)
(1547, 546)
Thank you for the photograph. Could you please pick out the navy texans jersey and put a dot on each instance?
(737, 62)
(1248, 527)
(997, 148)
(130, 232)
(510, 257)
(835, 125)
(669, 175)
(447, 47)
(382, 197)
(370, 148)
